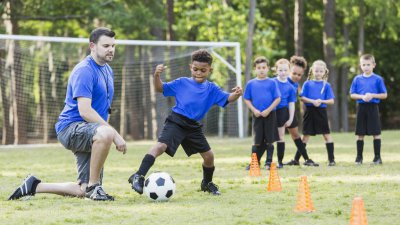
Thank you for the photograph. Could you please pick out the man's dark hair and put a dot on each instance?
(260, 59)
(299, 61)
(202, 55)
(100, 31)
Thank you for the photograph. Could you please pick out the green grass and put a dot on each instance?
(244, 200)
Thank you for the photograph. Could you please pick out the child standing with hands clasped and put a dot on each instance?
(285, 109)
(317, 94)
(262, 96)
(368, 89)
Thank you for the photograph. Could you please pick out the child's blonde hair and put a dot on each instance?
(324, 77)
(279, 62)
(368, 57)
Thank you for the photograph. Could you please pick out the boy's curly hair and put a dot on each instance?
(299, 61)
(202, 55)
(260, 59)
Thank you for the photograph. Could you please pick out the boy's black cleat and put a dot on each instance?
(137, 182)
(332, 163)
(96, 193)
(210, 187)
(293, 163)
(359, 160)
(27, 188)
(267, 165)
(279, 165)
(377, 160)
(309, 162)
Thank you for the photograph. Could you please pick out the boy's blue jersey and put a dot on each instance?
(194, 99)
(88, 79)
(294, 84)
(373, 84)
(261, 93)
(312, 89)
(288, 94)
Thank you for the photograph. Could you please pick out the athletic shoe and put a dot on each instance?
(359, 160)
(27, 188)
(332, 163)
(210, 187)
(309, 162)
(96, 193)
(377, 160)
(293, 163)
(137, 182)
(267, 165)
(279, 165)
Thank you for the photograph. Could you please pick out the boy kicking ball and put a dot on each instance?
(194, 97)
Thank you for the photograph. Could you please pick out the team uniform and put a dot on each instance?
(315, 119)
(368, 119)
(288, 95)
(262, 93)
(295, 122)
(88, 80)
(193, 100)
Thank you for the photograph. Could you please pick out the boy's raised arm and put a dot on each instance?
(158, 85)
(235, 94)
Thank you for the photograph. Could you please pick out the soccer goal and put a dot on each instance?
(34, 71)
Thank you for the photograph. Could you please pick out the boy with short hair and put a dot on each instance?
(261, 96)
(368, 89)
(194, 97)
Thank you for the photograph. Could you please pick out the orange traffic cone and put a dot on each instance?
(304, 202)
(254, 167)
(358, 215)
(274, 182)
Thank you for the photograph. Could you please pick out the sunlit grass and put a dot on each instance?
(244, 199)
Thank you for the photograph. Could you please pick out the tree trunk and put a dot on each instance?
(360, 43)
(329, 54)
(298, 27)
(7, 130)
(286, 27)
(171, 20)
(44, 101)
(343, 81)
(249, 57)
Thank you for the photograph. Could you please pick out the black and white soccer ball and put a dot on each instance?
(159, 186)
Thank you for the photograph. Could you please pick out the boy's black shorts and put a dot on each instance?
(180, 130)
(282, 116)
(368, 120)
(265, 129)
(315, 121)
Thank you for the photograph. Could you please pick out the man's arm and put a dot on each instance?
(158, 85)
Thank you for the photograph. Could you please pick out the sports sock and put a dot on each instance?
(208, 173)
(377, 147)
(147, 163)
(360, 148)
(301, 148)
(330, 149)
(280, 150)
(270, 153)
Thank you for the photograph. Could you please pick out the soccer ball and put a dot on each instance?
(159, 186)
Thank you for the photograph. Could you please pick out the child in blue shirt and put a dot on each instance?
(285, 109)
(262, 96)
(317, 94)
(368, 89)
(194, 97)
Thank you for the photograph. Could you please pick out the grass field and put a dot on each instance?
(244, 200)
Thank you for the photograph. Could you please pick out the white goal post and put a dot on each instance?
(214, 47)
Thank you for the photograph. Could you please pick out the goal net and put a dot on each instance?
(34, 72)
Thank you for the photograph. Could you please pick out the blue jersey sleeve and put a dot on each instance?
(292, 95)
(304, 90)
(220, 96)
(329, 92)
(247, 92)
(170, 88)
(353, 87)
(381, 86)
(276, 92)
(82, 83)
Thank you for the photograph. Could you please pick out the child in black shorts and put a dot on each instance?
(368, 89)
(262, 96)
(194, 97)
(317, 94)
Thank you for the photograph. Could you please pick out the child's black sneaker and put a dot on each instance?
(96, 193)
(27, 188)
(309, 162)
(267, 165)
(210, 187)
(359, 160)
(377, 160)
(279, 165)
(293, 163)
(137, 182)
(332, 163)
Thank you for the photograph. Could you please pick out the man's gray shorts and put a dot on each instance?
(78, 137)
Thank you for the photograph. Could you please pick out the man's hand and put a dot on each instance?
(120, 143)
